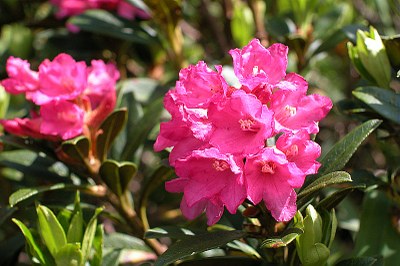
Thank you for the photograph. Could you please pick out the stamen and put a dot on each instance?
(220, 165)
(268, 167)
(290, 110)
(248, 125)
(292, 151)
(255, 71)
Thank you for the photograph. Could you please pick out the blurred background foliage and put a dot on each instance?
(149, 54)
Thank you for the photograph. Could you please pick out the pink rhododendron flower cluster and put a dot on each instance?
(249, 142)
(67, 8)
(71, 98)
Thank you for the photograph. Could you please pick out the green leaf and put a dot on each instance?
(333, 178)
(282, 241)
(70, 255)
(329, 226)
(384, 102)
(245, 248)
(142, 128)
(34, 248)
(242, 23)
(110, 129)
(98, 246)
(112, 258)
(342, 151)
(365, 261)
(377, 236)
(5, 213)
(50, 230)
(75, 230)
(335, 198)
(88, 237)
(26, 193)
(316, 255)
(117, 175)
(105, 23)
(77, 148)
(171, 232)
(196, 244)
(225, 260)
(123, 241)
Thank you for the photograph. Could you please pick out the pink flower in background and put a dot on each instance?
(212, 121)
(67, 8)
(70, 96)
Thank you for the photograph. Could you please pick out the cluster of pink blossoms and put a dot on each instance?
(252, 142)
(70, 97)
(67, 8)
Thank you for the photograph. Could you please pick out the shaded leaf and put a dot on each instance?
(106, 23)
(245, 248)
(117, 175)
(364, 261)
(111, 258)
(77, 148)
(124, 241)
(196, 244)
(385, 102)
(110, 129)
(5, 213)
(226, 260)
(335, 198)
(170, 231)
(98, 242)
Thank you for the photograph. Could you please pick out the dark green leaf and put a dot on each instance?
(103, 22)
(245, 248)
(142, 129)
(5, 213)
(342, 151)
(171, 232)
(10, 249)
(335, 198)
(34, 248)
(69, 254)
(112, 258)
(117, 175)
(50, 230)
(323, 182)
(196, 244)
(219, 261)
(26, 193)
(377, 236)
(385, 102)
(331, 42)
(282, 241)
(88, 237)
(123, 241)
(110, 129)
(364, 261)
(392, 45)
(77, 148)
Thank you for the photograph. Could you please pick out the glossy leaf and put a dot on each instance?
(34, 248)
(26, 193)
(385, 102)
(106, 23)
(69, 254)
(170, 231)
(282, 241)
(316, 255)
(124, 241)
(196, 244)
(245, 248)
(77, 148)
(333, 178)
(110, 129)
(335, 198)
(88, 237)
(342, 151)
(117, 175)
(50, 230)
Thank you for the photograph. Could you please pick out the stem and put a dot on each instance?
(258, 9)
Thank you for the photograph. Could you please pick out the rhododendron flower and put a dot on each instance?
(70, 95)
(271, 177)
(212, 176)
(212, 121)
(242, 125)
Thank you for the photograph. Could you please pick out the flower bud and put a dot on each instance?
(370, 58)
